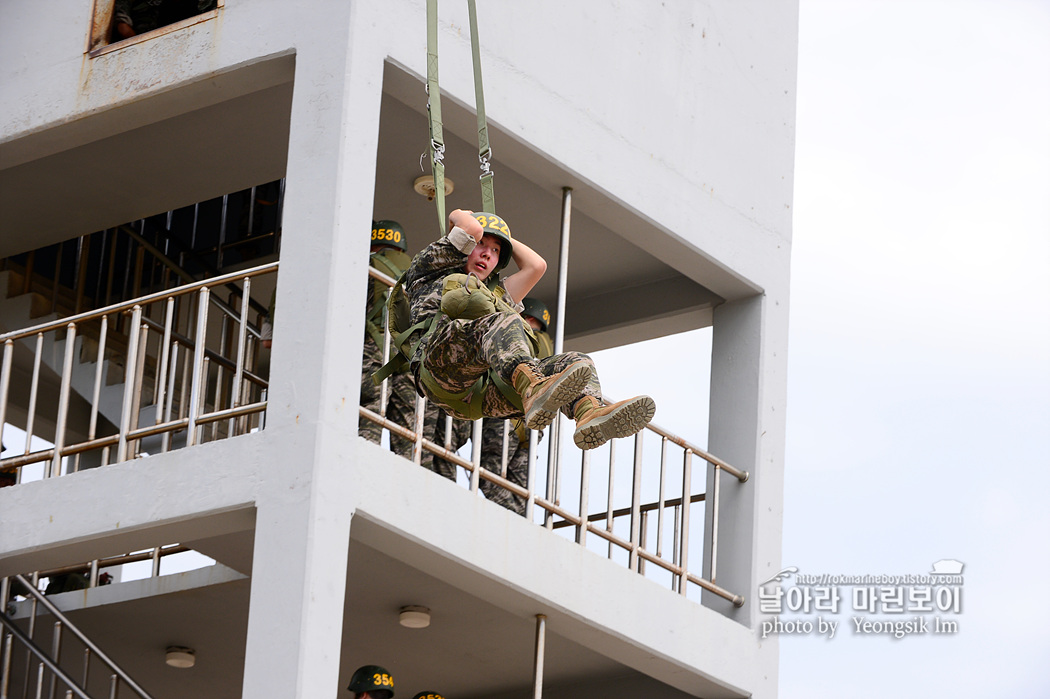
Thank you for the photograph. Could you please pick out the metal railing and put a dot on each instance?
(187, 366)
(669, 515)
(92, 572)
(153, 253)
(27, 669)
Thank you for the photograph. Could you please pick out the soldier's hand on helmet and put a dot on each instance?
(464, 220)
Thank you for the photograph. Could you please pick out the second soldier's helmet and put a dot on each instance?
(369, 678)
(534, 308)
(428, 695)
(495, 226)
(387, 232)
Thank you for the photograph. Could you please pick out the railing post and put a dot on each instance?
(660, 508)
(140, 380)
(530, 483)
(541, 642)
(554, 447)
(687, 487)
(5, 668)
(198, 367)
(475, 455)
(242, 332)
(417, 447)
(63, 402)
(636, 502)
(585, 497)
(129, 383)
(161, 382)
(5, 381)
(97, 385)
(714, 523)
(34, 389)
(609, 502)
(165, 439)
(56, 650)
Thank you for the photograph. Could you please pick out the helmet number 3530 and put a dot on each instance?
(380, 234)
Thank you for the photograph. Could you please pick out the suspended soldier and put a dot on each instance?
(468, 347)
(371, 682)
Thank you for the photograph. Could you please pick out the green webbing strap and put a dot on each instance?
(377, 260)
(437, 138)
(469, 404)
(488, 196)
(399, 361)
(506, 389)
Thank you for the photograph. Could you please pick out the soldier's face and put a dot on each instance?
(484, 257)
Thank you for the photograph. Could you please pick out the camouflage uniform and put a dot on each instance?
(401, 398)
(461, 431)
(458, 352)
(517, 448)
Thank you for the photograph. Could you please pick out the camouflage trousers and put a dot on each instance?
(460, 351)
(401, 409)
(436, 432)
(492, 460)
(400, 406)
(491, 457)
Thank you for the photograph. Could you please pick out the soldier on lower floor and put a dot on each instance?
(371, 682)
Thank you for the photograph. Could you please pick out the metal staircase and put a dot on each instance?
(59, 660)
(118, 331)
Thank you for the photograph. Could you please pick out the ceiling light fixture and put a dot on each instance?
(414, 617)
(424, 185)
(181, 657)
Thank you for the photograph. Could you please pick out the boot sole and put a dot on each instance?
(567, 389)
(626, 420)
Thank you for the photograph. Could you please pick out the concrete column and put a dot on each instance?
(748, 389)
(306, 494)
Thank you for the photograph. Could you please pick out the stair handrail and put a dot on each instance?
(42, 599)
(33, 648)
(141, 301)
(174, 266)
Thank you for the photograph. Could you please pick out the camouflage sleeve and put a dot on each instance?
(438, 259)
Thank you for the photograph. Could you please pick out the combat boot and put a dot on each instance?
(542, 396)
(596, 424)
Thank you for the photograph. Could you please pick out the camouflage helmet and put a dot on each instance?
(534, 308)
(369, 678)
(493, 225)
(387, 232)
(428, 695)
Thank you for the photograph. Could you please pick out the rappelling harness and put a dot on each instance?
(463, 296)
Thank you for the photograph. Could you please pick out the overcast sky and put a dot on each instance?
(919, 372)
